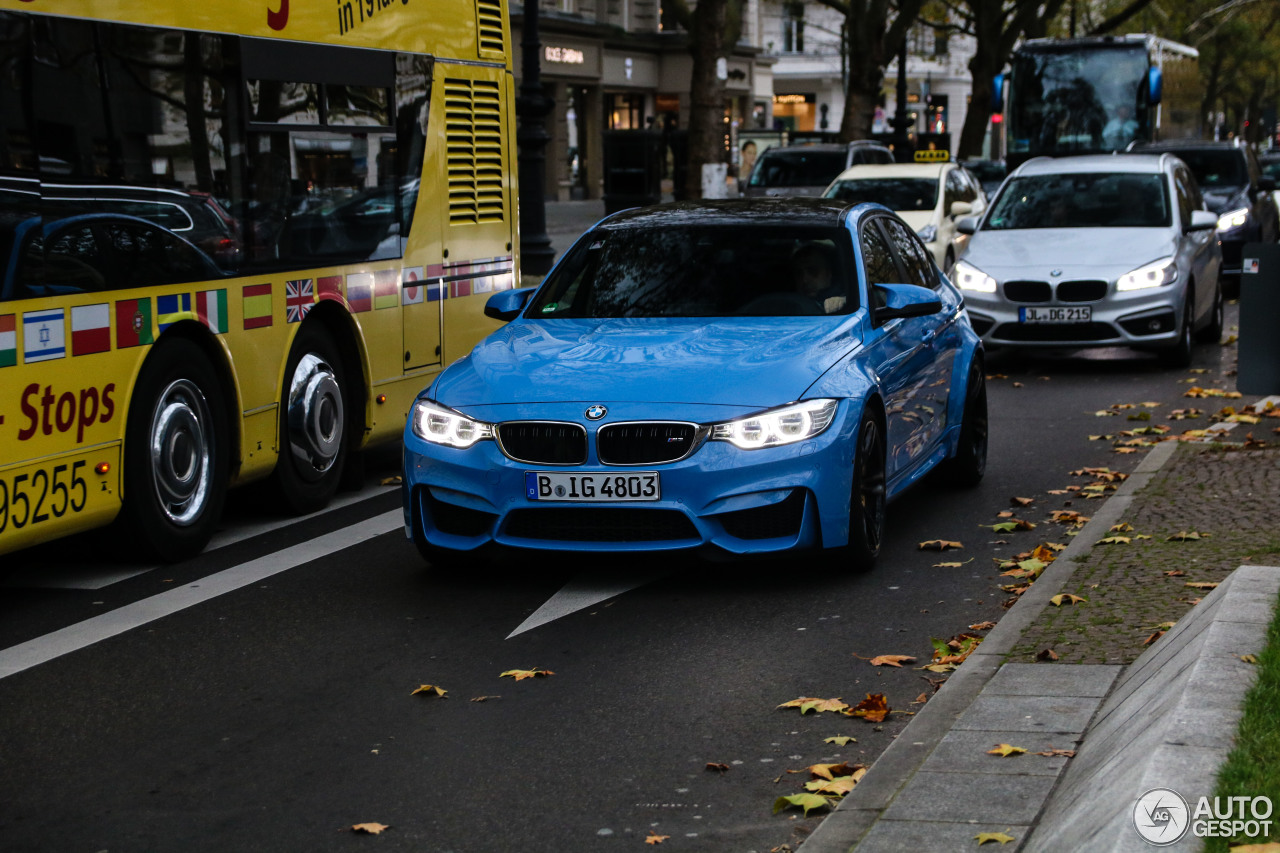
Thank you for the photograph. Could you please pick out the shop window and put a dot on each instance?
(626, 112)
(793, 28)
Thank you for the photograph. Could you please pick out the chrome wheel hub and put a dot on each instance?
(181, 455)
(315, 417)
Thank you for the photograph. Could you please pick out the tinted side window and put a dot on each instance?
(1182, 187)
(918, 267)
(877, 257)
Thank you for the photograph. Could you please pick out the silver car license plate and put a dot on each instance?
(1073, 314)
(594, 488)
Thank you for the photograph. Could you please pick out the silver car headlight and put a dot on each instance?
(1233, 219)
(1154, 274)
(438, 425)
(928, 234)
(785, 425)
(968, 277)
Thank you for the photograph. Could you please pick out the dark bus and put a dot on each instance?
(1094, 95)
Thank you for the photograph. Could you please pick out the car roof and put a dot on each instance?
(894, 170)
(820, 212)
(1138, 163)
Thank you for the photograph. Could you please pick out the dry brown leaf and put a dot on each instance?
(722, 768)
(369, 828)
(1201, 585)
(808, 703)
(485, 698)
(522, 674)
(655, 838)
(982, 626)
(1066, 598)
(939, 545)
(892, 660)
(1047, 654)
(873, 709)
(831, 771)
(1057, 753)
(1022, 501)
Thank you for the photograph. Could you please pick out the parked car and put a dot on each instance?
(676, 382)
(1099, 250)
(929, 197)
(1236, 189)
(1269, 162)
(990, 173)
(807, 170)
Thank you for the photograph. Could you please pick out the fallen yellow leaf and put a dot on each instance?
(1066, 598)
(939, 545)
(522, 674)
(984, 837)
(369, 828)
(892, 660)
(1005, 750)
(429, 689)
(808, 703)
(654, 838)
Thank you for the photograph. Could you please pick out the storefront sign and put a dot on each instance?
(564, 55)
(793, 99)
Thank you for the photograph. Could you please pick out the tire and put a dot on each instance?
(176, 455)
(969, 464)
(1212, 333)
(314, 432)
(867, 501)
(949, 264)
(1179, 354)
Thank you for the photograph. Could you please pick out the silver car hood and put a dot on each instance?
(1077, 252)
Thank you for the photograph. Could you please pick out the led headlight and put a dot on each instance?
(1154, 274)
(1233, 219)
(786, 425)
(438, 425)
(968, 277)
(928, 234)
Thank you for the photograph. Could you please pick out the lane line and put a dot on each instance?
(83, 634)
(580, 593)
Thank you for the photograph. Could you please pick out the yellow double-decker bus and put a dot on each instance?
(236, 239)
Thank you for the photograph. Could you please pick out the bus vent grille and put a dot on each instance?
(489, 39)
(473, 130)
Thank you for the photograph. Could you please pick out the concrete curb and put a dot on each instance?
(1169, 722)
(891, 772)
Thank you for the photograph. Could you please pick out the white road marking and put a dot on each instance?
(580, 593)
(63, 575)
(81, 635)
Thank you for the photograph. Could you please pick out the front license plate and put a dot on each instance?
(596, 488)
(1081, 314)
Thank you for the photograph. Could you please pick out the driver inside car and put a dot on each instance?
(812, 268)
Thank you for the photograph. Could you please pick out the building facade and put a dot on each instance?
(621, 65)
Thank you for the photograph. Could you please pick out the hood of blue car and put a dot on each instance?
(752, 362)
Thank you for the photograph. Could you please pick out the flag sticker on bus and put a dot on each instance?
(211, 308)
(386, 289)
(90, 329)
(44, 335)
(299, 296)
(413, 290)
(257, 305)
(329, 287)
(360, 292)
(133, 322)
(170, 309)
(8, 341)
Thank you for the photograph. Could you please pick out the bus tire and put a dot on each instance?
(314, 439)
(176, 454)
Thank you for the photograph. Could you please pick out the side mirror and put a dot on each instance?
(961, 208)
(506, 305)
(905, 300)
(1203, 220)
(967, 225)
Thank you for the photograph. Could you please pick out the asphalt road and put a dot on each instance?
(259, 697)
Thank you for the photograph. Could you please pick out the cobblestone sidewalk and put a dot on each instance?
(1133, 590)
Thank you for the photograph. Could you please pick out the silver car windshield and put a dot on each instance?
(1090, 200)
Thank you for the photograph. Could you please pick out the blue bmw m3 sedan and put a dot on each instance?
(752, 376)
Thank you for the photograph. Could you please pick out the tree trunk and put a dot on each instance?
(706, 92)
(983, 67)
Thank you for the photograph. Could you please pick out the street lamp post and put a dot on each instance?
(532, 109)
(901, 120)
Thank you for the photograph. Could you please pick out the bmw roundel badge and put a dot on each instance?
(595, 413)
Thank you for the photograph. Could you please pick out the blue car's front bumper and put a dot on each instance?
(740, 501)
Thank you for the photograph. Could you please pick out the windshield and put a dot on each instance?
(1086, 99)
(714, 271)
(1081, 201)
(1215, 167)
(894, 193)
(797, 168)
